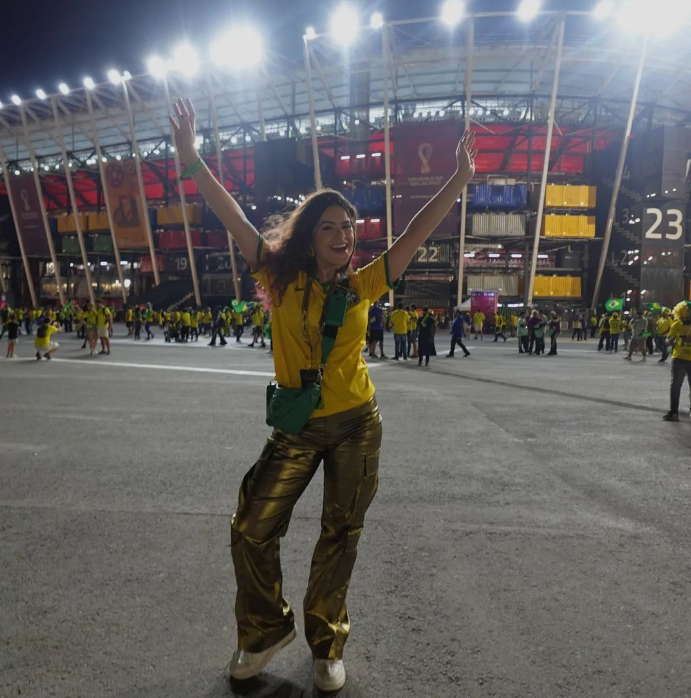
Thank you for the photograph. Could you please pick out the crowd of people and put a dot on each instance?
(647, 332)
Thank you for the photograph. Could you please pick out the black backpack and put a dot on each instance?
(42, 332)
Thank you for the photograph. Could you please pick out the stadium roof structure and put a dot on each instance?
(513, 66)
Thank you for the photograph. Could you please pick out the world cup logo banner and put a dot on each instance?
(425, 158)
(126, 204)
(27, 209)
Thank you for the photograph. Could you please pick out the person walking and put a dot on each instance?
(680, 336)
(554, 331)
(12, 328)
(457, 334)
(329, 413)
(426, 326)
(603, 328)
(499, 324)
(577, 329)
(626, 332)
(148, 318)
(638, 325)
(614, 332)
(522, 333)
(664, 325)
(217, 328)
(400, 321)
(376, 330)
(479, 323)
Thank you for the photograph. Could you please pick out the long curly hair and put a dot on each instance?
(289, 239)
(682, 311)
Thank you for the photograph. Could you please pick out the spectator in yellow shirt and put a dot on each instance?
(43, 342)
(400, 321)
(479, 323)
(258, 327)
(664, 325)
(680, 338)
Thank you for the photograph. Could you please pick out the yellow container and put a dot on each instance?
(556, 226)
(98, 221)
(568, 196)
(172, 215)
(67, 224)
(557, 286)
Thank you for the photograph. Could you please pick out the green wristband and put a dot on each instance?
(187, 174)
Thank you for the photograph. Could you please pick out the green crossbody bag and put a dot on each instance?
(288, 409)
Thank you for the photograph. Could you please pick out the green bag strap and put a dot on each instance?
(334, 312)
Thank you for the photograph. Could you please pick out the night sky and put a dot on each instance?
(43, 42)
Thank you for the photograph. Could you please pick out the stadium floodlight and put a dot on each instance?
(156, 66)
(186, 60)
(239, 47)
(127, 75)
(89, 83)
(114, 76)
(310, 33)
(41, 94)
(377, 20)
(345, 25)
(603, 9)
(528, 9)
(16, 100)
(664, 17)
(63, 87)
(0, 105)
(452, 12)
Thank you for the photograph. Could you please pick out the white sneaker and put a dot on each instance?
(245, 665)
(329, 674)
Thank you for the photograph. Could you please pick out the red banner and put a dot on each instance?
(425, 160)
(27, 208)
(126, 204)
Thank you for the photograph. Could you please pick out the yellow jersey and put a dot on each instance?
(346, 382)
(102, 317)
(42, 342)
(681, 334)
(400, 321)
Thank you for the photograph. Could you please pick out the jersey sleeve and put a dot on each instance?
(259, 274)
(374, 280)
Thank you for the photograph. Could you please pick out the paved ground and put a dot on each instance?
(530, 536)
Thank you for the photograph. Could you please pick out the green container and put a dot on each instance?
(70, 245)
(103, 243)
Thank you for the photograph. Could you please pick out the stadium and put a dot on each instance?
(550, 94)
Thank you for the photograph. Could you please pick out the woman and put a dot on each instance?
(522, 333)
(304, 266)
(536, 328)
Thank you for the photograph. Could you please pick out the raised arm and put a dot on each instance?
(222, 203)
(432, 214)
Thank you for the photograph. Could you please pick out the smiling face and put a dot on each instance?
(334, 239)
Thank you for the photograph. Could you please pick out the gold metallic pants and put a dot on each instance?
(349, 445)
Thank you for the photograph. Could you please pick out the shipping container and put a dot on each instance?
(102, 242)
(70, 245)
(499, 195)
(570, 196)
(98, 221)
(67, 224)
(557, 286)
(172, 215)
(556, 226)
(504, 284)
(498, 224)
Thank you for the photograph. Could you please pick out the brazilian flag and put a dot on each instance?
(614, 304)
(654, 307)
(239, 306)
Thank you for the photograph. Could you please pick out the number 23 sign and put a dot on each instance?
(665, 224)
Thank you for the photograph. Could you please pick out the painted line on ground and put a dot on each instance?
(162, 367)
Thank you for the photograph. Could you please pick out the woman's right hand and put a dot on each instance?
(184, 135)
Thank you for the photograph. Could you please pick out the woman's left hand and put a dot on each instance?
(465, 155)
